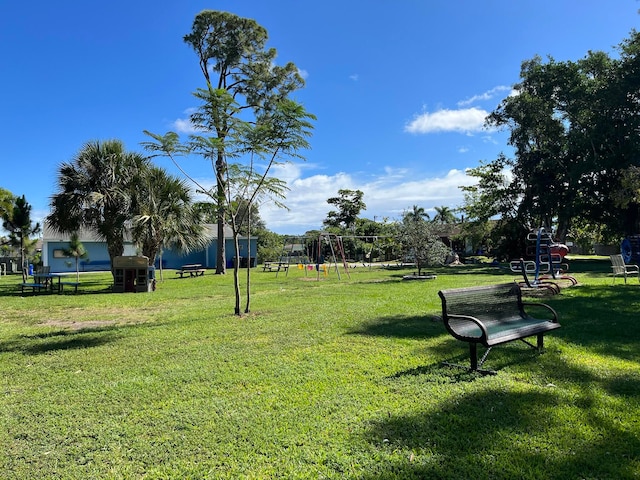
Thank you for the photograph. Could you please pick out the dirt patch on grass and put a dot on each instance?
(72, 325)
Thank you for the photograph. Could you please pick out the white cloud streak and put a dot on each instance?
(488, 95)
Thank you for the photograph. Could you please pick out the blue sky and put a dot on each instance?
(399, 88)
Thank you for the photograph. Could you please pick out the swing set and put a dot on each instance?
(299, 251)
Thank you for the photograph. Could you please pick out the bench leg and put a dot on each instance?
(540, 342)
(473, 355)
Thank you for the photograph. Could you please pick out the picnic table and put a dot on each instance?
(193, 270)
(275, 266)
(47, 281)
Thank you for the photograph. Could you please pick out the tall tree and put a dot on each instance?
(94, 191)
(574, 126)
(349, 204)
(278, 134)
(20, 227)
(242, 78)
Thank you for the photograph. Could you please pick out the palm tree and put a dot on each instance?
(415, 215)
(94, 191)
(76, 250)
(444, 215)
(165, 215)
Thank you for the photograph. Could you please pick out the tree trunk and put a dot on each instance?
(236, 272)
(247, 308)
(221, 267)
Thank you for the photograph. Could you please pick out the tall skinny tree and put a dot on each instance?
(241, 80)
(20, 227)
(77, 251)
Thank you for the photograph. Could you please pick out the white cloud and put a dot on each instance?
(488, 95)
(464, 121)
(183, 125)
(354, 77)
(303, 73)
(386, 195)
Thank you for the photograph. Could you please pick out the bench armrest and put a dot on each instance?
(545, 306)
(462, 327)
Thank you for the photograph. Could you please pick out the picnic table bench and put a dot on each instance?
(193, 270)
(492, 315)
(35, 287)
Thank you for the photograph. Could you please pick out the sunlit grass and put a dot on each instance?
(325, 378)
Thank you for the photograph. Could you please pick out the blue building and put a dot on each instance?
(54, 245)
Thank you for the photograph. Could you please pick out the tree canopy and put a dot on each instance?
(575, 129)
(349, 204)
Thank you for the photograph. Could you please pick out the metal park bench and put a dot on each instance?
(492, 315)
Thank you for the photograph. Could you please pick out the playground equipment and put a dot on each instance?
(133, 274)
(548, 259)
(630, 249)
(310, 253)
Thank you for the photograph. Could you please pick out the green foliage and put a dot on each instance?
(574, 127)
(77, 251)
(421, 244)
(444, 215)
(270, 245)
(328, 379)
(17, 221)
(95, 191)
(349, 204)
(241, 110)
(164, 215)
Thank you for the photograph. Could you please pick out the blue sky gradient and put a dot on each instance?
(400, 89)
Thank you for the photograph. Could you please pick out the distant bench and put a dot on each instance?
(193, 270)
(491, 315)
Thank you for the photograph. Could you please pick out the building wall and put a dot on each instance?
(98, 256)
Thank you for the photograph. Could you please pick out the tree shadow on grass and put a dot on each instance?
(60, 340)
(501, 434)
(601, 318)
(402, 326)
(86, 287)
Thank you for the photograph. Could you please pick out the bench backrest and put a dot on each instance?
(617, 263)
(489, 302)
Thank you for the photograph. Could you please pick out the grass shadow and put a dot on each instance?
(77, 337)
(407, 326)
(469, 438)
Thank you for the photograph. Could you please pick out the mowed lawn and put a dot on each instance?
(326, 378)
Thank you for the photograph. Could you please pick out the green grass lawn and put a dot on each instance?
(324, 379)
